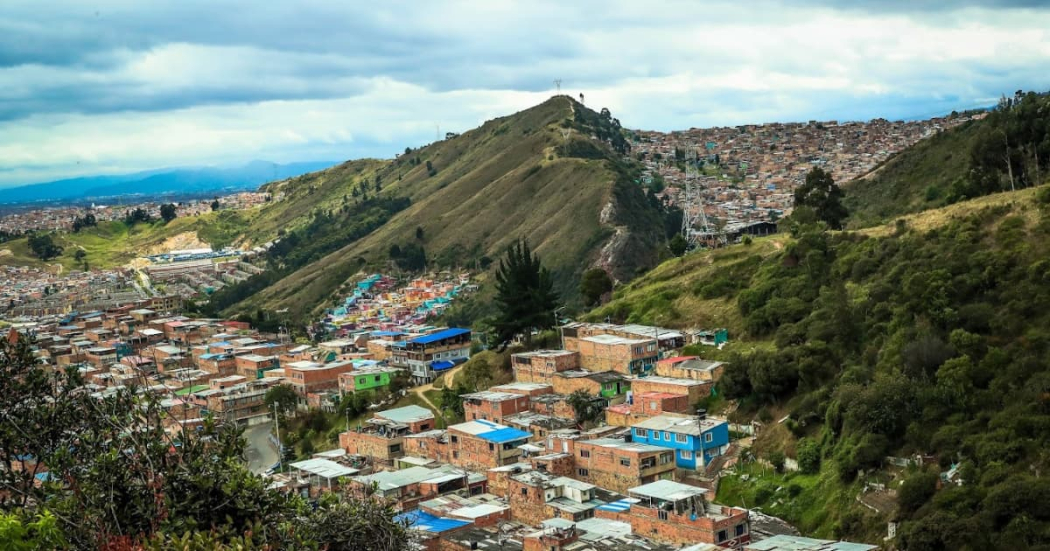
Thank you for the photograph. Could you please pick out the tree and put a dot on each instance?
(116, 476)
(678, 245)
(451, 402)
(808, 452)
(167, 212)
(594, 284)
(820, 193)
(419, 233)
(215, 205)
(284, 396)
(916, 490)
(586, 407)
(43, 246)
(525, 294)
(135, 216)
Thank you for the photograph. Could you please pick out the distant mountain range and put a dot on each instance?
(164, 181)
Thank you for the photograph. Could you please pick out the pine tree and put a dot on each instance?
(525, 294)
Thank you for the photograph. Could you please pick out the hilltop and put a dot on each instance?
(548, 174)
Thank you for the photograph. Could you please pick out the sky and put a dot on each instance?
(115, 86)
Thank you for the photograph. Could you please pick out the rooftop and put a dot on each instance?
(613, 339)
(491, 396)
(798, 543)
(667, 490)
(679, 424)
(407, 414)
(324, 468)
(493, 432)
(440, 335)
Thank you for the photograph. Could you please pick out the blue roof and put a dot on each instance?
(507, 434)
(616, 506)
(386, 333)
(434, 337)
(441, 366)
(419, 520)
(44, 477)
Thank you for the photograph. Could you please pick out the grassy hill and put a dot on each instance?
(112, 244)
(918, 178)
(925, 337)
(537, 174)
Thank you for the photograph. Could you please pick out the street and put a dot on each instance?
(260, 452)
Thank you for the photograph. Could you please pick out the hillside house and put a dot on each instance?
(540, 366)
(382, 438)
(690, 367)
(696, 440)
(493, 405)
(430, 354)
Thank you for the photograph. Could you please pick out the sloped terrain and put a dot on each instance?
(536, 175)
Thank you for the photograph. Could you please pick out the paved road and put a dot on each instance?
(260, 453)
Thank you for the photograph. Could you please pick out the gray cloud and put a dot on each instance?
(85, 86)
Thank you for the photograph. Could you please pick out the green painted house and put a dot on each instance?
(367, 378)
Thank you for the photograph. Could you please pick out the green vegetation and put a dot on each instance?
(483, 191)
(927, 337)
(43, 246)
(167, 212)
(822, 198)
(965, 162)
(524, 295)
(115, 479)
(594, 284)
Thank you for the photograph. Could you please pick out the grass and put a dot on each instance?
(814, 503)
(486, 193)
(112, 244)
(667, 295)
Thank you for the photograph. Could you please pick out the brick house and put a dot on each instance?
(611, 385)
(217, 363)
(539, 366)
(312, 377)
(535, 496)
(690, 367)
(369, 378)
(493, 405)
(475, 445)
(630, 356)
(617, 465)
(527, 389)
(382, 438)
(695, 390)
(672, 512)
(474, 510)
(645, 405)
(254, 366)
(408, 487)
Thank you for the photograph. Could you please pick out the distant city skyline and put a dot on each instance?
(113, 87)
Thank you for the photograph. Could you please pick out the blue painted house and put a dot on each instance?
(695, 440)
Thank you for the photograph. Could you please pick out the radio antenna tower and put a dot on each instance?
(557, 85)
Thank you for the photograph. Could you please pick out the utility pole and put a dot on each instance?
(277, 426)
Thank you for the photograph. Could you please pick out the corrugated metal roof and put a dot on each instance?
(434, 337)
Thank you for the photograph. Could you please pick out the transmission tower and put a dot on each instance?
(557, 85)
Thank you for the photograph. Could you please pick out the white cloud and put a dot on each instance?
(181, 83)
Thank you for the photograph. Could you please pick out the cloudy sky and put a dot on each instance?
(111, 86)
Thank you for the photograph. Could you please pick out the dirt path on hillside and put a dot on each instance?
(447, 378)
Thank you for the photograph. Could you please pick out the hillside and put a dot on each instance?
(918, 178)
(926, 337)
(1007, 149)
(538, 174)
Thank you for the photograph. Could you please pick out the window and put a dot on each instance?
(722, 536)
(395, 448)
(585, 453)
(739, 529)
(666, 458)
(582, 472)
(667, 436)
(455, 439)
(685, 454)
(681, 438)
(524, 491)
(625, 461)
(708, 437)
(662, 514)
(424, 426)
(455, 455)
(652, 405)
(377, 378)
(640, 433)
(491, 446)
(654, 434)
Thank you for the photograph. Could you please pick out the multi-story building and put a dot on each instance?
(535, 496)
(493, 406)
(696, 440)
(611, 385)
(630, 356)
(369, 378)
(431, 354)
(473, 445)
(694, 389)
(617, 465)
(690, 367)
(312, 377)
(540, 366)
(254, 366)
(644, 405)
(382, 438)
(672, 512)
(408, 487)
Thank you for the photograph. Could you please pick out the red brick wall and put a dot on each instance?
(678, 529)
(558, 466)
(568, 385)
(370, 445)
(605, 469)
(695, 392)
(527, 503)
